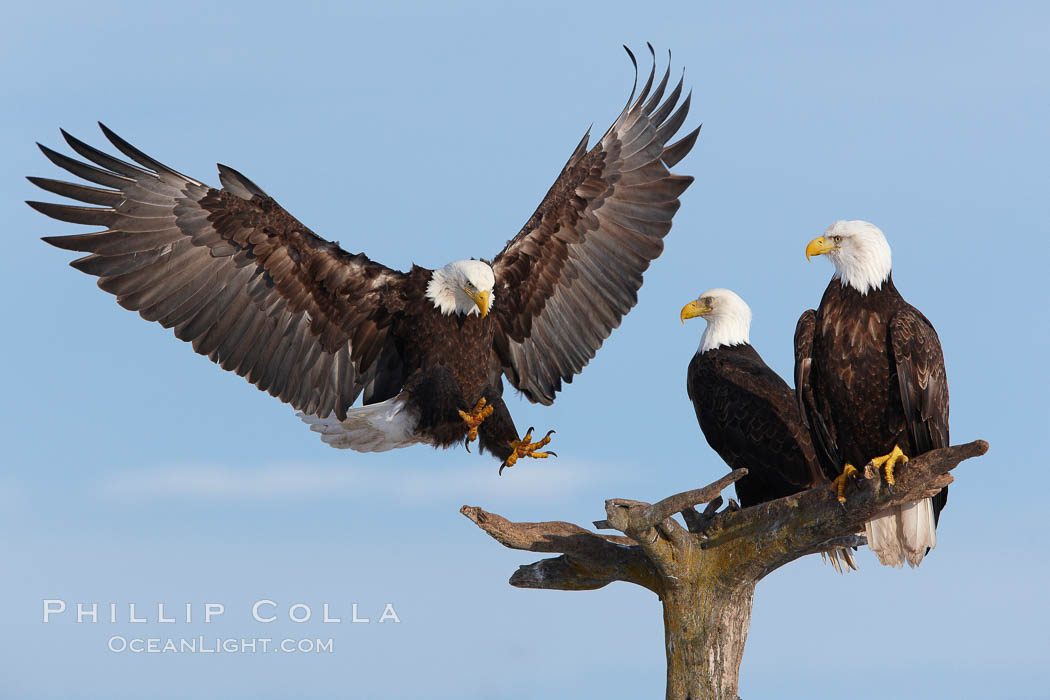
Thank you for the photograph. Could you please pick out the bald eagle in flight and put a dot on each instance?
(869, 376)
(748, 414)
(260, 294)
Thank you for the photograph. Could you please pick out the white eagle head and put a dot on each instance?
(463, 287)
(859, 252)
(728, 318)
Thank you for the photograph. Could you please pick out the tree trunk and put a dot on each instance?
(705, 629)
(705, 573)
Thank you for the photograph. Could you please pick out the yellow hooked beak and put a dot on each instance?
(694, 309)
(481, 299)
(819, 246)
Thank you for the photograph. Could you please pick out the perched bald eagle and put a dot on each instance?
(748, 414)
(869, 376)
(260, 294)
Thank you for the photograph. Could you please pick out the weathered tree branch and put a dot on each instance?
(650, 515)
(705, 575)
(590, 560)
(769, 535)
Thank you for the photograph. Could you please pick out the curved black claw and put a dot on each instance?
(466, 443)
(525, 447)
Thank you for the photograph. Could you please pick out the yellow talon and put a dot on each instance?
(838, 485)
(889, 463)
(475, 418)
(526, 448)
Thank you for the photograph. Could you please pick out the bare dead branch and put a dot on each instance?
(554, 536)
(706, 575)
(697, 522)
(567, 573)
(772, 534)
(591, 560)
(652, 526)
(661, 510)
(640, 516)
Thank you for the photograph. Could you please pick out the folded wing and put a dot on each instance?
(827, 452)
(919, 362)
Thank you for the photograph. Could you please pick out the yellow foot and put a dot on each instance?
(526, 448)
(889, 462)
(475, 419)
(839, 484)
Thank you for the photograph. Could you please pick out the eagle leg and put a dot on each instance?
(889, 462)
(526, 448)
(838, 485)
(474, 419)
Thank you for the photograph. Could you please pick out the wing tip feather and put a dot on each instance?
(678, 150)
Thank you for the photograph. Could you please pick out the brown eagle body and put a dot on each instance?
(260, 294)
(750, 417)
(870, 376)
(425, 344)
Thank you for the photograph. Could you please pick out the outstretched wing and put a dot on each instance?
(827, 453)
(572, 272)
(919, 362)
(231, 271)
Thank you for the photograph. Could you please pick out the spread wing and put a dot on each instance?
(572, 272)
(827, 453)
(920, 375)
(230, 271)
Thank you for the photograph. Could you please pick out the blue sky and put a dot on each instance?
(136, 471)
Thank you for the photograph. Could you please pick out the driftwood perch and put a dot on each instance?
(705, 573)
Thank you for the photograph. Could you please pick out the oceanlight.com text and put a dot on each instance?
(119, 644)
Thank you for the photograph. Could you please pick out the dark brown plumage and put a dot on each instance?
(260, 294)
(750, 418)
(869, 377)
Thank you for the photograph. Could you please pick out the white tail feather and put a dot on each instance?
(918, 529)
(376, 428)
(882, 538)
(903, 533)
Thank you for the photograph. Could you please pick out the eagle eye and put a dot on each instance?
(837, 239)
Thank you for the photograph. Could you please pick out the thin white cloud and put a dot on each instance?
(311, 482)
